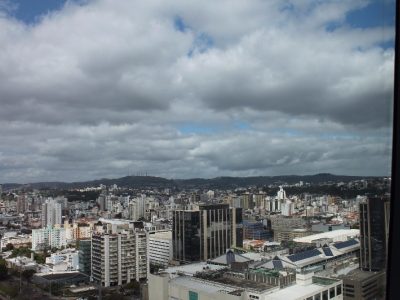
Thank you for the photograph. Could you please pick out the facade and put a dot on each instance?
(291, 234)
(21, 204)
(206, 232)
(254, 230)
(85, 257)
(374, 232)
(51, 213)
(49, 237)
(160, 248)
(119, 255)
(279, 222)
(359, 285)
(78, 231)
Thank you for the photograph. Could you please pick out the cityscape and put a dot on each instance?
(197, 150)
(151, 239)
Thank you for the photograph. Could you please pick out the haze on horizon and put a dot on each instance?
(187, 89)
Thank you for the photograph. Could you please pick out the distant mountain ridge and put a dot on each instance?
(218, 182)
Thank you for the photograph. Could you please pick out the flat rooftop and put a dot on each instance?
(335, 235)
(196, 284)
(360, 275)
(62, 276)
(164, 235)
(191, 269)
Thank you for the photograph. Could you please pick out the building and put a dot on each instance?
(20, 240)
(78, 231)
(374, 233)
(85, 257)
(290, 234)
(49, 237)
(51, 213)
(254, 230)
(160, 248)
(21, 204)
(339, 235)
(67, 260)
(119, 255)
(359, 285)
(210, 282)
(279, 222)
(206, 232)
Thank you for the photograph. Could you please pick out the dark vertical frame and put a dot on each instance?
(393, 266)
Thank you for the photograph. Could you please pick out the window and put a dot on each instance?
(331, 293)
(317, 296)
(339, 289)
(325, 295)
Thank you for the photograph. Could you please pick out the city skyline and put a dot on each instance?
(101, 89)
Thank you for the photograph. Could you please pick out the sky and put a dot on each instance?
(184, 89)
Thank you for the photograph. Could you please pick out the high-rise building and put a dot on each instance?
(374, 233)
(51, 213)
(21, 204)
(119, 255)
(85, 256)
(206, 232)
(160, 248)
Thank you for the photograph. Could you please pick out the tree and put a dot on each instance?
(3, 269)
(27, 274)
(9, 247)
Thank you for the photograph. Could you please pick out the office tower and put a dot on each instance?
(374, 233)
(206, 232)
(85, 256)
(51, 213)
(119, 255)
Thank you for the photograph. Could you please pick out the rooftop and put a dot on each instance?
(359, 275)
(340, 234)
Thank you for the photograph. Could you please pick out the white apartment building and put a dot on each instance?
(160, 248)
(119, 254)
(52, 237)
(51, 213)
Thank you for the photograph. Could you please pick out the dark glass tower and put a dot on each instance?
(374, 233)
(206, 232)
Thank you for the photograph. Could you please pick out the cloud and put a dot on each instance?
(102, 88)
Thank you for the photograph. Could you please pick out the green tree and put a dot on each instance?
(27, 274)
(9, 247)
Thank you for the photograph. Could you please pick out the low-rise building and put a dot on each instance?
(218, 282)
(68, 259)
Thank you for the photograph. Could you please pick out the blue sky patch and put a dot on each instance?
(378, 13)
(179, 24)
(29, 11)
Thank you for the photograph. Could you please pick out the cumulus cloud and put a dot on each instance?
(187, 89)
